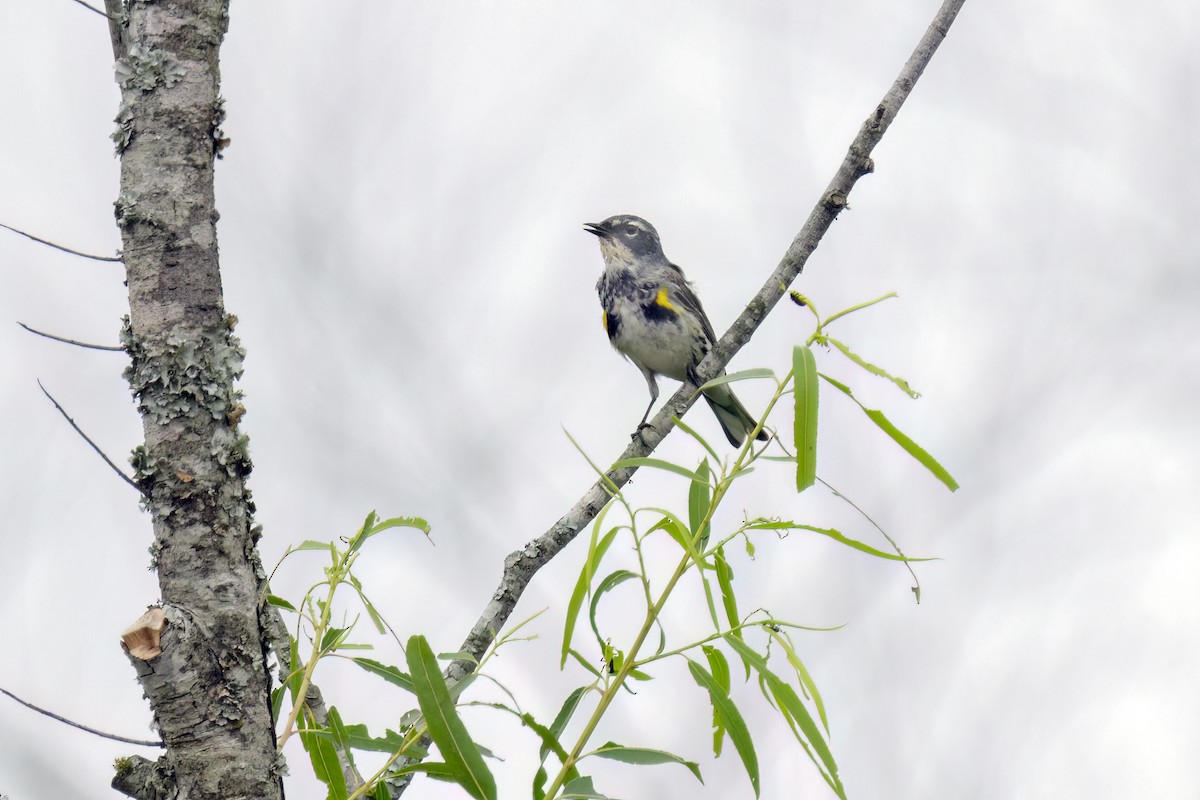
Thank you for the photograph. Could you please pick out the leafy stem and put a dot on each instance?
(629, 662)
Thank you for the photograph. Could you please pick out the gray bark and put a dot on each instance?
(209, 687)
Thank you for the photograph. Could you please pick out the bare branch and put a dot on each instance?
(59, 246)
(52, 715)
(107, 460)
(71, 341)
(93, 8)
(521, 565)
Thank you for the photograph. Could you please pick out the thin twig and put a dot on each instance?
(93, 8)
(71, 341)
(107, 460)
(916, 590)
(520, 566)
(52, 715)
(59, 246)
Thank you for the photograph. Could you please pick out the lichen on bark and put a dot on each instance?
(209, 687)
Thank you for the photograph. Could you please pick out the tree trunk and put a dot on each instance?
(209, 687)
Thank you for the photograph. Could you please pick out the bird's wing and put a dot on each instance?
(681, 292)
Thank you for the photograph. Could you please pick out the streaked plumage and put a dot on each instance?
(653, 317)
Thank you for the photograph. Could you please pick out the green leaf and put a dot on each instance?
(596, 551)
(581, 789)
(806, 681)
(643, 756)
(291, 682)
(340, 734)
(708, 599)
(912, 448)
(332, 638)
(371, 528)
(549, 743)
(728, 598)
(725, 582)
(323, 755)
(539, 783)
(376, 618)
(389, 673)
(391, 742)
(279, 602)
(719, 668)
(277, 696)
(310, 544)
(804, 373)
(699, 498)
(673, 526)
(360, 536)
(724, 707)
(678, 531)
(858, 307)
(402, 522)
(614, 657)
(691, 432)
(583, 662)
(837, 536)
(564, 716)
(657, 463)
(611, 581)
(438, 770)
(793, 709)
(901, 384)
(464, 762)
(744, 375)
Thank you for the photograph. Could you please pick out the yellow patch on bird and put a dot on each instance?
(661, 299)
(604, 319)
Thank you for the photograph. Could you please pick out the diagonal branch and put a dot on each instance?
(94, 446)
(59, 246)
(521, 565)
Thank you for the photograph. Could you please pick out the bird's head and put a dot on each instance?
(625, 238)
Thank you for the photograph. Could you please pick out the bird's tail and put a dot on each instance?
(735, 420)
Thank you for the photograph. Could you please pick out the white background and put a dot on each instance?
(400, 236)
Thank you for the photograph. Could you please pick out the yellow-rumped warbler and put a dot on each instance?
(654, 319)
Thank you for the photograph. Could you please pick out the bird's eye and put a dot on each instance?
(631, 231)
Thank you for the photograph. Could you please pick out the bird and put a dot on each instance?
(653, 317)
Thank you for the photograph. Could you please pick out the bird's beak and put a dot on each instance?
(597, 229)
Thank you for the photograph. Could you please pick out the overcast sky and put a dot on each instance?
(401, 212)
